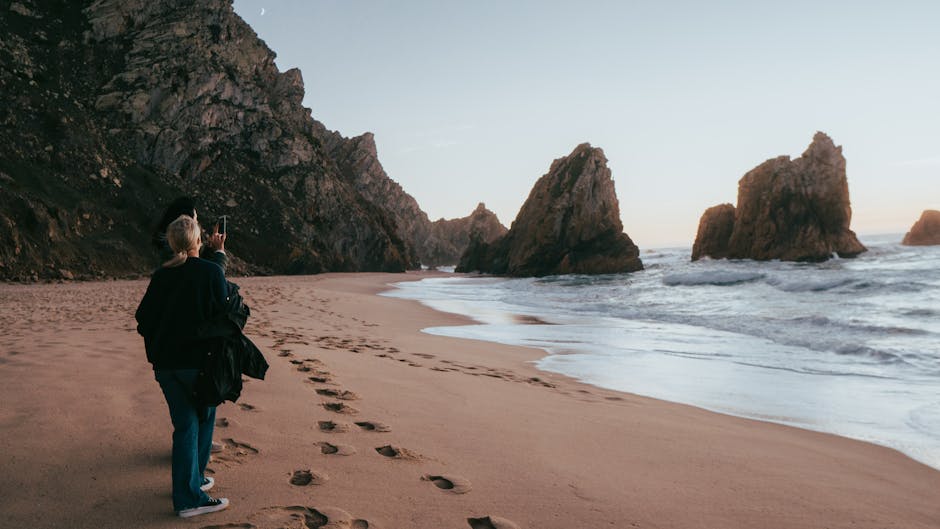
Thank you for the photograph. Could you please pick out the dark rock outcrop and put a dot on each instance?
(451, 237)
(714, 232)
(792, 210)
(570, 224)
(926, 231)
(113, 108)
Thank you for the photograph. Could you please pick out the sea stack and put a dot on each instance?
(926, 231)
(792, 210)
(714, 232)
(570, 224)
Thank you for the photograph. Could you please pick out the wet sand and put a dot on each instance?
(365, 422)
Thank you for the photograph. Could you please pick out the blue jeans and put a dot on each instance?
(192, 438)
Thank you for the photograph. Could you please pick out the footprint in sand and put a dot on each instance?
(333, 427)
(230, 526)
(338, 394)
(248, 407)
(395, 452)
(221, 422)
(374, 426)
(336, 449)
(321, 378)
(234, 452)
(240, 448)
(303, 478)
(539, 382)
(491, 522)
(307, 517)
(285, 353)
(339, 407)
(452, 484)
(307, 366)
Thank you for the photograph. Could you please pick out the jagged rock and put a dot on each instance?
(570, 224)
(358, 161)
(115, 107)
(714, 232)
(926, 231)
(451, 237)
(792, 210)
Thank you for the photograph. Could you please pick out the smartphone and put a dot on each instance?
(223, 223)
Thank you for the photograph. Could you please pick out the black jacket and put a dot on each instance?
(178, 302)
(231, 354)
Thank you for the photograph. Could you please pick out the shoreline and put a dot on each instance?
(520, 444)
(586, 348)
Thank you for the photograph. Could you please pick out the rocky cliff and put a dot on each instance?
(793, 210)
(926, 231)
(114, 107)
(570, 224)
(358, 161)
(450, 238)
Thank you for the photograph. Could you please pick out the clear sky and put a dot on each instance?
(470, 101)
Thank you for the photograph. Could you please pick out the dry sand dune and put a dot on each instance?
(364, 422)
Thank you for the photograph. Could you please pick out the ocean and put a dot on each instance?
(849, 346)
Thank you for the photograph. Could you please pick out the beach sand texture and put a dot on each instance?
(365, 422)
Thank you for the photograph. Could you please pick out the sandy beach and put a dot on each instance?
(365, 422)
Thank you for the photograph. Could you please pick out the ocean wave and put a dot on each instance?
(579, 280)
(716, 278)
(805, 285)
(807, 370)
(823, 321)
(881, 357)
(920, 312)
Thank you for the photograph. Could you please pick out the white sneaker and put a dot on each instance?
(207, 484)
(212, 505)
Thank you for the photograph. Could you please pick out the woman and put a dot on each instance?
(183, 294)
(215, 242)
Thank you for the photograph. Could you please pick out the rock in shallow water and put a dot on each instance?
(792, 210)
(570, 224)
(926, 231)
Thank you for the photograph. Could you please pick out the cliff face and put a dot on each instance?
(793, 210)
(570, 224)
(428, 243)
(117, 107)
(926, 231)
(358, 162)
(450, 238)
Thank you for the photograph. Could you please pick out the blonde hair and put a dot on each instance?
(183, 235)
